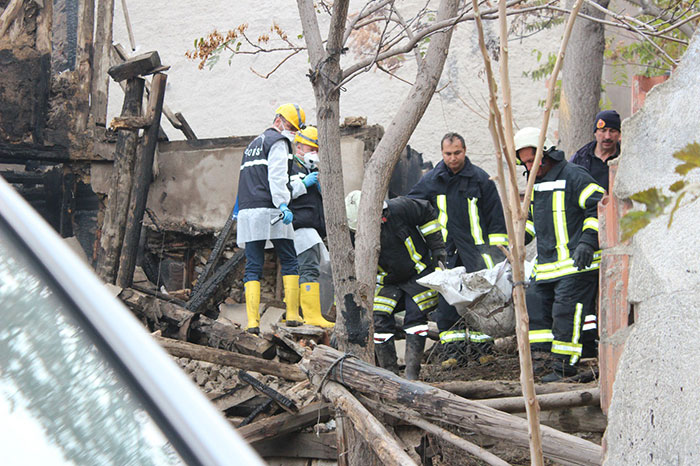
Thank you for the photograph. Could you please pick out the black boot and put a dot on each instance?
(415, 344)
(560, 370)
(386, 355)
(542, 362)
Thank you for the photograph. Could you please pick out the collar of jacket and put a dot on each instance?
(553, 172)
(444, 173)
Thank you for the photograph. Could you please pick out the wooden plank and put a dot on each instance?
(102, 47)
(433, 403)
(20, 153)
(552, 401)
(182, 349)
(122, 179)
(480, 389)
(234, 397)
(374, 433)
(9, 14)
(177, 322)
(285, 423)
(83, 64)
(130, 123)
(146, 63)
(185, 126)
(143, 175)
(299, 445)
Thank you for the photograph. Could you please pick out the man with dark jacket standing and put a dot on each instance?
(411, 245)
(564, 215)
(263, 198)
(595, 155)
(472, 224)
(309, 224)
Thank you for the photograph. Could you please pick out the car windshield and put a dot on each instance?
(61, 401)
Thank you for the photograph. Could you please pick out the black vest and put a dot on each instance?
(253, 186)
(308, 208)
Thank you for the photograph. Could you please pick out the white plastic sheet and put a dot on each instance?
(482, 298)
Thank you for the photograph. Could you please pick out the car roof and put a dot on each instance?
(184, 409)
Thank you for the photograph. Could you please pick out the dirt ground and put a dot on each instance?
(499, 366)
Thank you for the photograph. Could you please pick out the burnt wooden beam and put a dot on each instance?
(102, 45)
(285, 423)
(146, 63)
(200, 301)
(185, 126)
(130, 123)
(299, 445)
(122, 179)
(176, 322)
(214, 257)
(264, 389)
(143, 175)
(480, 389)
(435, 404)
(21, 153)
(182, 349)
(256, 412)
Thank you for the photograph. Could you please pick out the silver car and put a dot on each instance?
(81, 381)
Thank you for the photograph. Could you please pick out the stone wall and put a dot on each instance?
(653, 417)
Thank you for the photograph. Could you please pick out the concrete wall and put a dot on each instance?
(231, 100)
(197, 180)
(654, 414)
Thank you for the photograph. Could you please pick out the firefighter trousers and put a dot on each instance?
(562, 315)
(417, 300)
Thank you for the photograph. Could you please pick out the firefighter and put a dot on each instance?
(309, 224)
(472, 224)
(411, 245)
(263, 199)
(595, 155)
(564, 215)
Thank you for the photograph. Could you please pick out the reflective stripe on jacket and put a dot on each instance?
(469, 212)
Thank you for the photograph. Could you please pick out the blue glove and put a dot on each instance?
(310, 179)
(287, 215)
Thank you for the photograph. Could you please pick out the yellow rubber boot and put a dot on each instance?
(252, 305)
(291, 299)
(310, 298)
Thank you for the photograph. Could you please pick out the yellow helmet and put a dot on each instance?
(293, 114)
(308, 136)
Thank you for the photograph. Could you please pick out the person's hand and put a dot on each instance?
(583, 256)
(439, 257)
(287, 215)
(310, 179)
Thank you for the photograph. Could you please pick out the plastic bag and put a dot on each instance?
(483, 298)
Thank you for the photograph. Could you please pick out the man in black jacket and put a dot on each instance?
(564, 215)
(411, 244)
(309, 224)
(595, 155)
(472, 223)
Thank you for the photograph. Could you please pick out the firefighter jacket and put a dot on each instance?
(254, 189)
(469, 212)
(563, 213)
(307, 207)
(409, 232)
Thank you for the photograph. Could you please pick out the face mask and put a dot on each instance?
(311, 160)
(288, 134)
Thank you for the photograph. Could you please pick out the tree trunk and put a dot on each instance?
(581, 80)
(380, 166)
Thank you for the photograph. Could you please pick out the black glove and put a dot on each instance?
(583, 256)
(439, 256)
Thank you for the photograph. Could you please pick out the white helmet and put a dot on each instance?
(352, 206)
(530, 137)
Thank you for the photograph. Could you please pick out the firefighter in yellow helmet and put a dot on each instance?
(264, 214)
(309, 224)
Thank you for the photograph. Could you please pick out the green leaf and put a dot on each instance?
(690, 154)
(654, 201)
(300, 36)
(677, 186)
(675, 208)
(632, 222)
